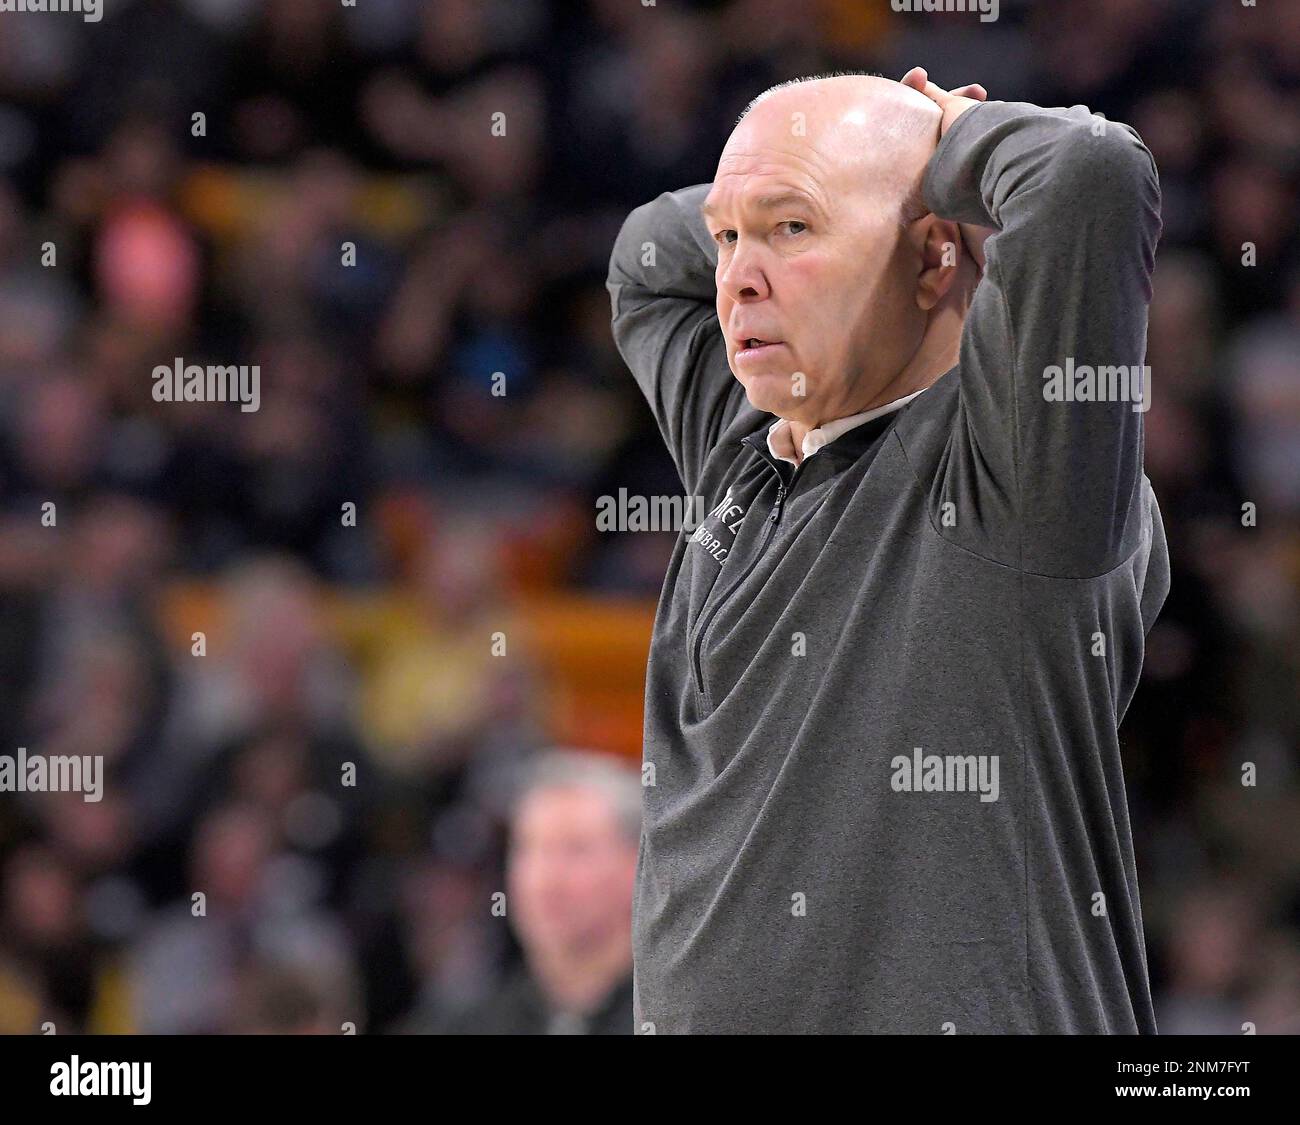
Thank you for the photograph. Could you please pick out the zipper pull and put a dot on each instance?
(776, 508)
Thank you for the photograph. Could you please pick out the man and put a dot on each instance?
(570, 872)
(888, 668)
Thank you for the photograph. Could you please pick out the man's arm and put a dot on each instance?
(1075, 204)
(662, 295)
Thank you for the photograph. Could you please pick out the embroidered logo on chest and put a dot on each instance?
(717, 532)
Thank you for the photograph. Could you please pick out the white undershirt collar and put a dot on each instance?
(781, 444)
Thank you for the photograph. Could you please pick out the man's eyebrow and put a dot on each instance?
(771, 202)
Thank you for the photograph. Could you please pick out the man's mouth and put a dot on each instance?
(756, 354)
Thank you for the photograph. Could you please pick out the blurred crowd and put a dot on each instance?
(318, 190)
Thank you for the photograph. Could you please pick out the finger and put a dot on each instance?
(974, 91)
(916, 78)
(937, 94)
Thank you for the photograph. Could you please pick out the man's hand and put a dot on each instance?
(954, 103)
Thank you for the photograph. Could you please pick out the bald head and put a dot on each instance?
(862, 131)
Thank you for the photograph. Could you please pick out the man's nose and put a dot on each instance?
(744, 278)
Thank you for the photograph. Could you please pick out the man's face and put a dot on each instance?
(571, 870)
(813, 261)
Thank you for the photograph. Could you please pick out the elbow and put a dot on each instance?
(626, 260)
(1105, 178)
(1107, 163)
(1128, 161)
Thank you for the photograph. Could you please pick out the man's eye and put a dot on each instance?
(725, 236)
(793, 223)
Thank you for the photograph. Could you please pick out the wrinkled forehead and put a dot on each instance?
(828, 145)
(769, 152)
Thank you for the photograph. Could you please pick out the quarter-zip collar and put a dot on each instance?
(819, 437)
(830, 458)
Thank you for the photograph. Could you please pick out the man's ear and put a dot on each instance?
(941, 257)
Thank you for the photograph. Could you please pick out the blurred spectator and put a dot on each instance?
(569, 876)
(257, 908)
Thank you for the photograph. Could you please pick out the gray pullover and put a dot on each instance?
(883, 785)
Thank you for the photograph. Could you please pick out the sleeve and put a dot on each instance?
(1047, 445)
(662, 296)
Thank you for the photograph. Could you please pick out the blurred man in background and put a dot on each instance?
(570, 869)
